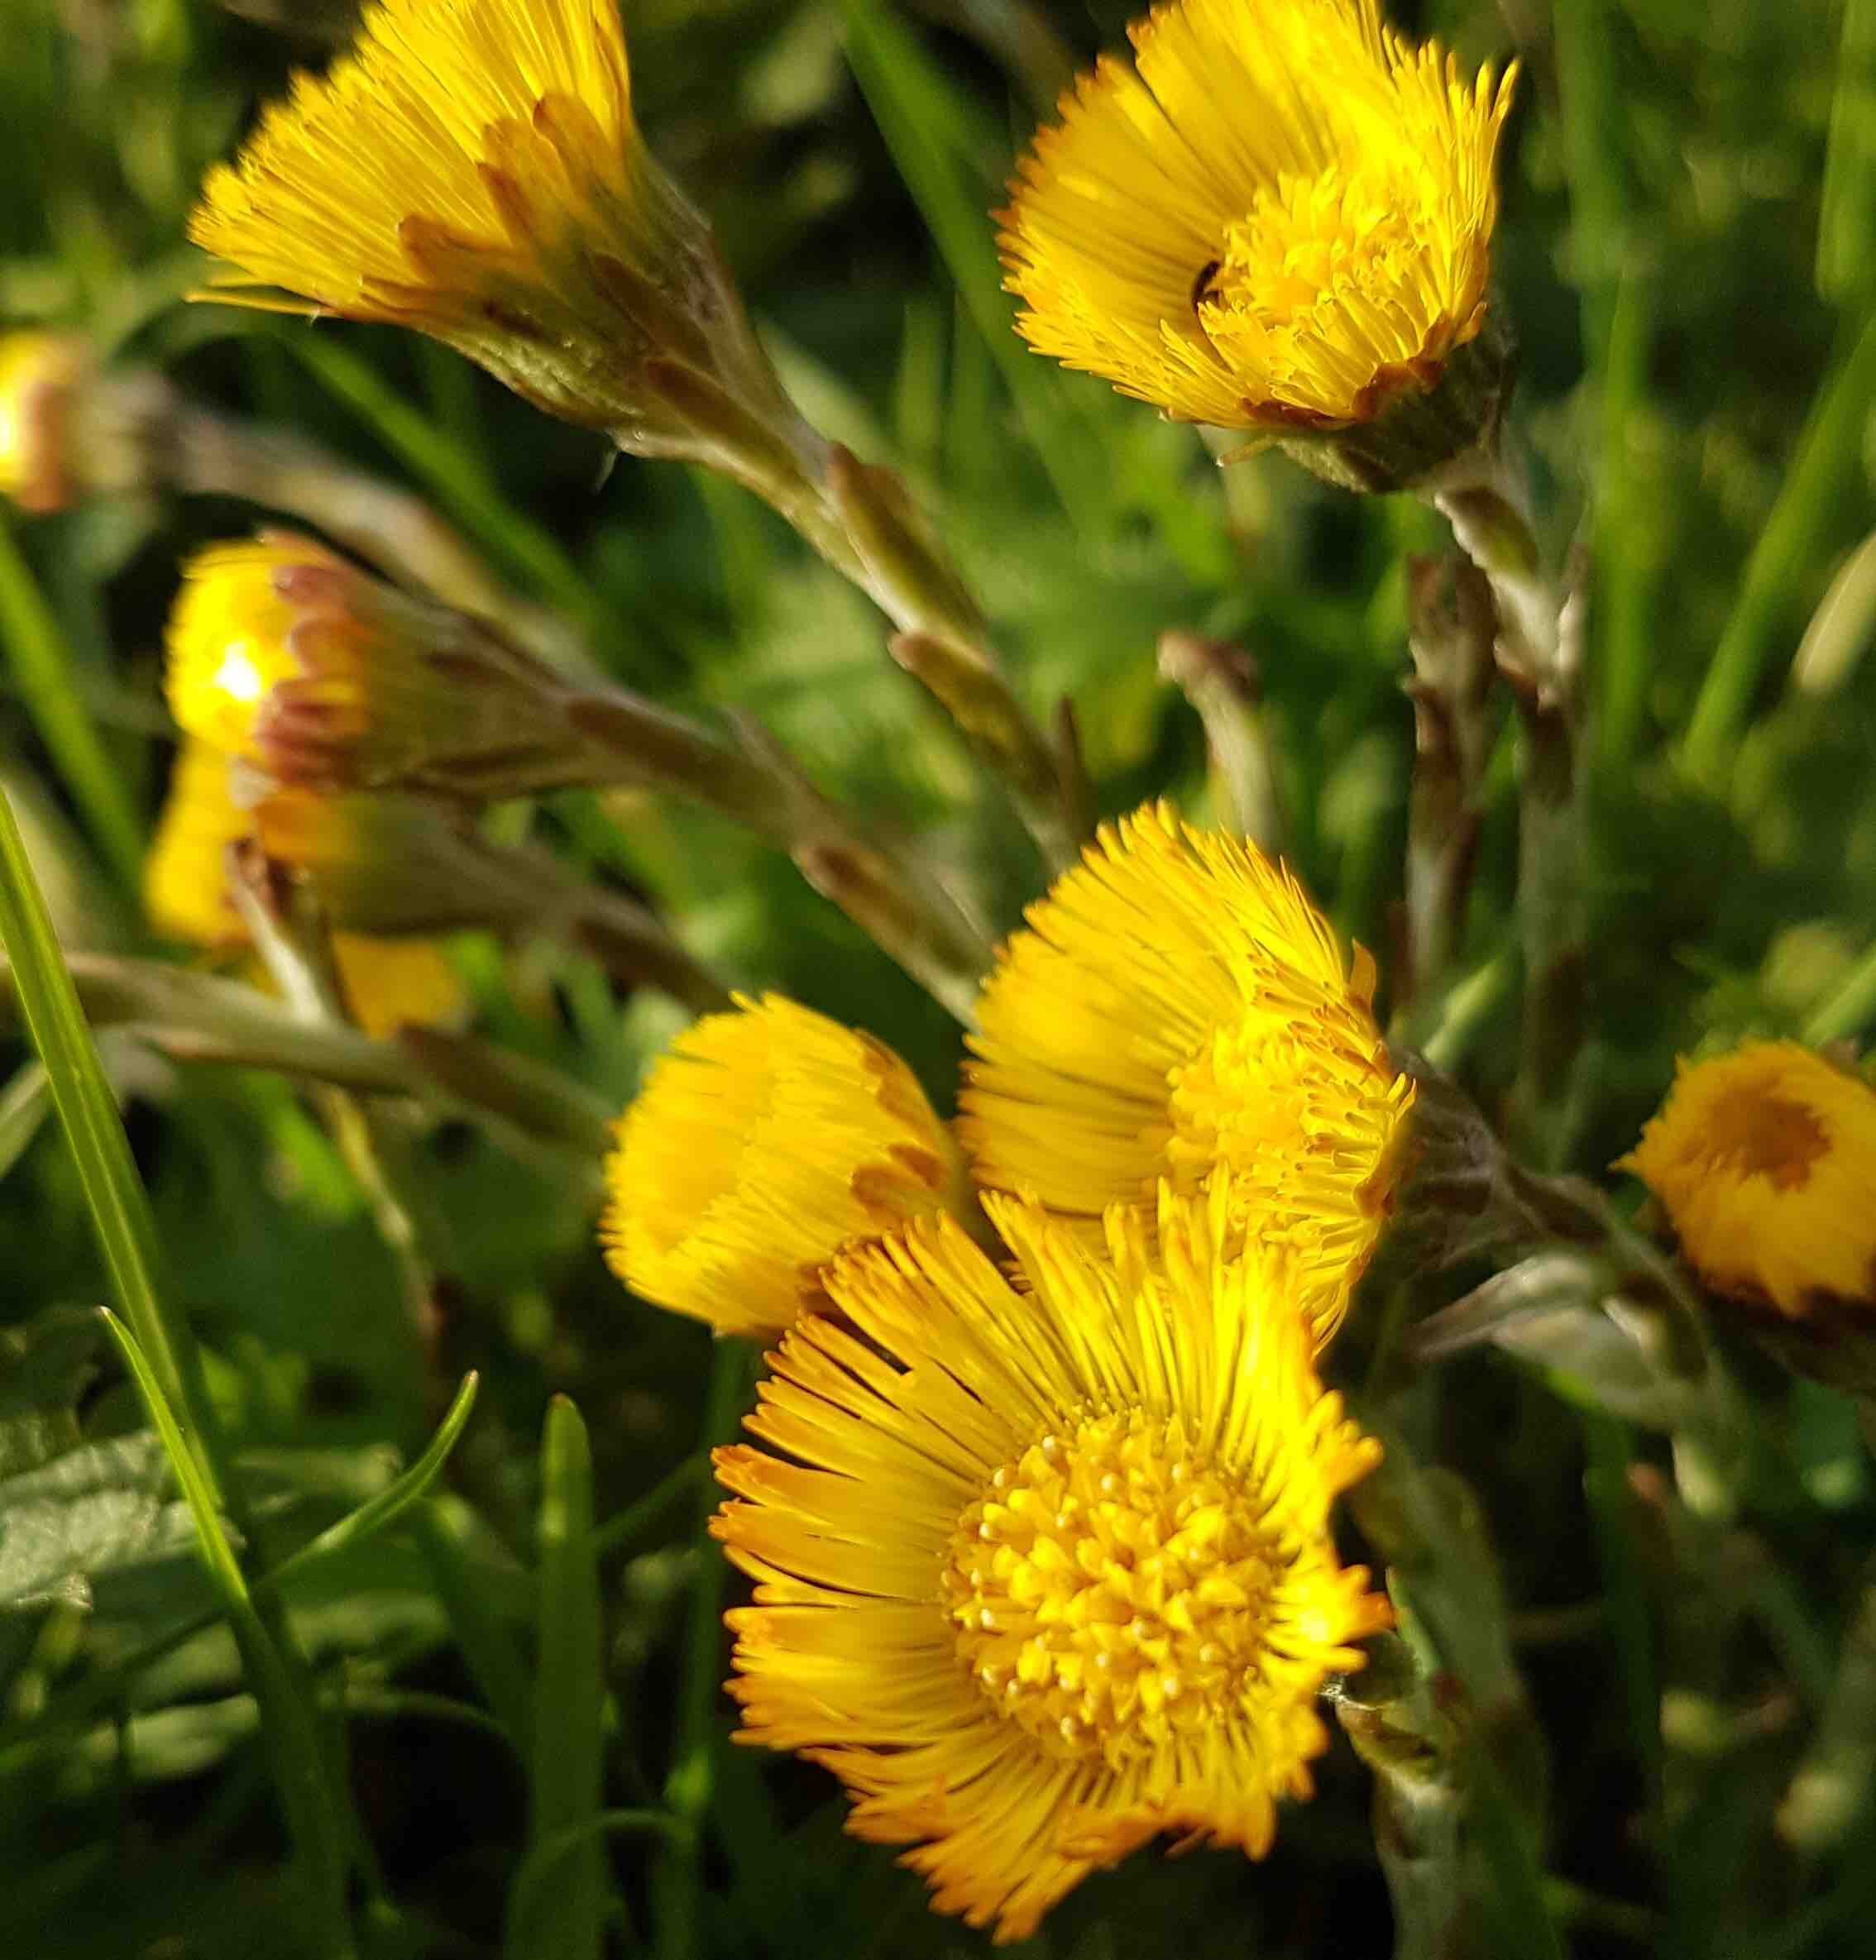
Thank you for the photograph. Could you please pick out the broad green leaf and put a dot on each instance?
(87, 1511)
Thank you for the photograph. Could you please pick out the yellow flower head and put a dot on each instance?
(38, 373)
(471, 169)
(326, 678)
(229, 635)
(1041, 1573)
(1764, 1160)
(1279, 216)
(1176, 1006)
(387, 984)
(766, 1141)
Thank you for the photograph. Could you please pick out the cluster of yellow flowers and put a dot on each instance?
(1042, 1552)
(1038, 1507)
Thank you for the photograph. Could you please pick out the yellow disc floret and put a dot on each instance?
(1764, 1160)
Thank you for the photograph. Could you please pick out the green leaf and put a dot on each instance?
(288, 1716)
(44, 1366)
(567, 1923)
(87, 1511)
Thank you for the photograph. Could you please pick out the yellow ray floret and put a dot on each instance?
(765, 1142)
(1177, 1006)
(471, 169)
(1764, 1160)
(1279, 215)
(1042, 1574)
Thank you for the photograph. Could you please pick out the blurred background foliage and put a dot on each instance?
(1686, 253)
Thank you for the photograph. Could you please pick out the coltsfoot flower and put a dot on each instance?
(284, 653)
(38, 373)
(1175, 1006)
(765, 1142)
(387, 984)
(471, 169)
(1278, 218)
(1043, 1574)
(1764, 1160)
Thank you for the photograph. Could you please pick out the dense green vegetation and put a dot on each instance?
(1672, 1720)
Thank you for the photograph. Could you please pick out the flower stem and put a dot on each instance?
(1538, 653)
(1450, 635)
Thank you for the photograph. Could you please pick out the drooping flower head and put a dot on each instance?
(765, 1142)
(38, 373)
(1279, 217)
(1764, 1160)
(284, 653)
(472, 169)
(1041, 1575)
(387, 984)
(1177, 1007)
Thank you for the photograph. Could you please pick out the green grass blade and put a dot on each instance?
(934, 140)
(1847, 241)
(1814, 488)
(677, 1881)
(25, 1105)
(289, 1720)
(1848, 1010)
(547, 1860)
(42, 670)
(487, 1642)
(452, 472)
(204, 1509)
(1630, 543)
(565, 1770)
(389, 1505)
(88, 1111)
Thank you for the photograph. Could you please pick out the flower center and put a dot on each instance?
(1328, 268)
(1268, 1104)
(1766, 1136)
(1112, 1590)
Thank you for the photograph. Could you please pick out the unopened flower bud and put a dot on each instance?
(767, 1140)
(38, 373)
(387, 984)
(283, 652)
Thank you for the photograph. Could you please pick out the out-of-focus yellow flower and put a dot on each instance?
(284, 653)
(394, 865)
(1278, 217)
(185, 890)
(1178, 1006)
(472, 169)
(1041, 1573)
(38, 372)
(766, 1141)
(387, 984)
(227, 637)
(1764, 1160)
